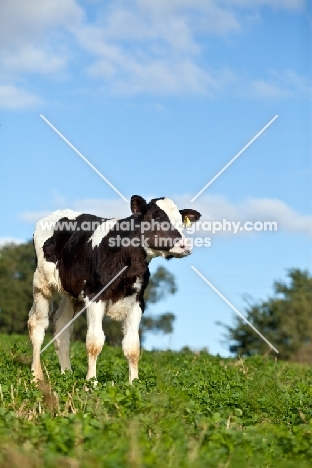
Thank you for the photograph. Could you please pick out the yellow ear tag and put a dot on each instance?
(187, 222)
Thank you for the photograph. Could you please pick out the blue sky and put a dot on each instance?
(159, 96)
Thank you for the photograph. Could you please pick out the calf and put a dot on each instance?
(79, 254)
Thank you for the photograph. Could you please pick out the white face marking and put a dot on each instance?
(101, 231)
(183, 247)
(171, 210)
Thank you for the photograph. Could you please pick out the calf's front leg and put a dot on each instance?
(95, 335)
(131, 340)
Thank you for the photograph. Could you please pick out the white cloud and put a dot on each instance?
(10, 240)
(156, 47)
(174, 22)
(280, 84)
(159, 77)
(107, 208)
(24, 20)
(31, 59)
(298, 83)
(265, 89)
(31, 34)
(287, 218)
(212, 207)
(14, 98)
(34, 216)
(132, 47)
(274, 4)
(152, 47)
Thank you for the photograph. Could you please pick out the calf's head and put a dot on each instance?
(161, 226)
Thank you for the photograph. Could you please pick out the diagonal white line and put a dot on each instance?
(233, 159)
(84, 158)
(82, 310)
(234, 308)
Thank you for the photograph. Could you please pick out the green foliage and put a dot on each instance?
(17, 265)
(284, 319)
(163, 323)
(188, 410)
(161, 284)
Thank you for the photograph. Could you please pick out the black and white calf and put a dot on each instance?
(79, 254)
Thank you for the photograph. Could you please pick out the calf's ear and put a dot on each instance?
(138, 205)
(190, 215)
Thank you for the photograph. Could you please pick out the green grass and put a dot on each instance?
(187, 410)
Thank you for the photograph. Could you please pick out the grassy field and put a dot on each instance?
(187, 410)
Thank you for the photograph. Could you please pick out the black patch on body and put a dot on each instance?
(84, 270)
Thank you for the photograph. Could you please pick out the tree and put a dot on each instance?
(161, 284)
(17, 266)
(284, 319)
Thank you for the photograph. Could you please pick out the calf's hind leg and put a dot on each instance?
(37, 324)
(61, 319)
